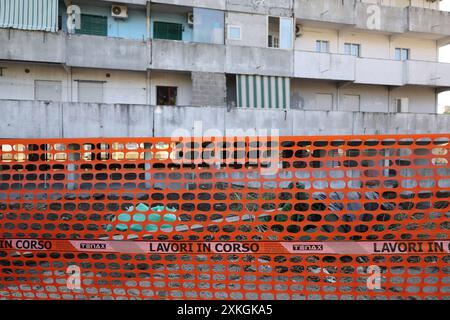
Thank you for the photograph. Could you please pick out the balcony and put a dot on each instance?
(339, 67)
(379, 71)
(268, 7)
(210, 4)
(74, 50)
(260, 61)
(105, 52)
(316, 65)
(332, 11)
(427, 73)
(187, 56)
(433, 23)
(36, 46)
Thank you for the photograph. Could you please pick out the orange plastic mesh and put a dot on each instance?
(324, 189)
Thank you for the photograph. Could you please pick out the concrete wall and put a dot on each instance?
(200, 57)
(404, 3)
(119, 87)
(211, 4)
(109, 53)
(184, 56)
(332, 11)
(395, 18)
(379, 71)
(209, 89)
(31, 119)
(260, 61)
(74, 50)
(16, 83)
(426, 21)
(324, 66)
(421, 72)
(221, 4)
(421, 99)
(268, 7)
(253, 29)
(32, 46)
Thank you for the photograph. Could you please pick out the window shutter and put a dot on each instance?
(93, 25)
(167, 30)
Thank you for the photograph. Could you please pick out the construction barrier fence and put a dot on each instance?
(339, 217)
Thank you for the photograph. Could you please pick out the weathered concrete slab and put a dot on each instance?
(194, 121)
(260, 61)
(186, 56)
(106, 120)
(30, 119)
(106, 52)
(259, 121)
(211, 4)
(34, 119)
(36, 46)
(311, 123)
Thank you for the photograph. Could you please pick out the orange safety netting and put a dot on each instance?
(322, 211)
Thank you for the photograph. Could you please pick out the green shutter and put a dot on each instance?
(167, 30)
(263, 92)
(29, 14)
(94, 25)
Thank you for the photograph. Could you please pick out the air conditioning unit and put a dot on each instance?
(298, 30)
(190, 18)
(120, 12)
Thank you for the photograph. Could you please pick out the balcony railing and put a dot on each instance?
(340, 67)
(427, 73)
(361, 15)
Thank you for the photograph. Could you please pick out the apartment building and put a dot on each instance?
(331, 55)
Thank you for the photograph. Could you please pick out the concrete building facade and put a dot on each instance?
(351, 56)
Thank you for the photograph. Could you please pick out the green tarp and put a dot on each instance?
(29, 14)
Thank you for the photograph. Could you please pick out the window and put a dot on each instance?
(234, 33)
(352, 49)
(287, 31)
(280, 33)
(324, 101)
(401, 105)
(93, 25)
(166, 96)
(47, 90)
(167, 30)
(209, 26)
(1, 71)
(402, 54)
(351, 103)
(322, 46)
(274, 32)
(90, 91)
